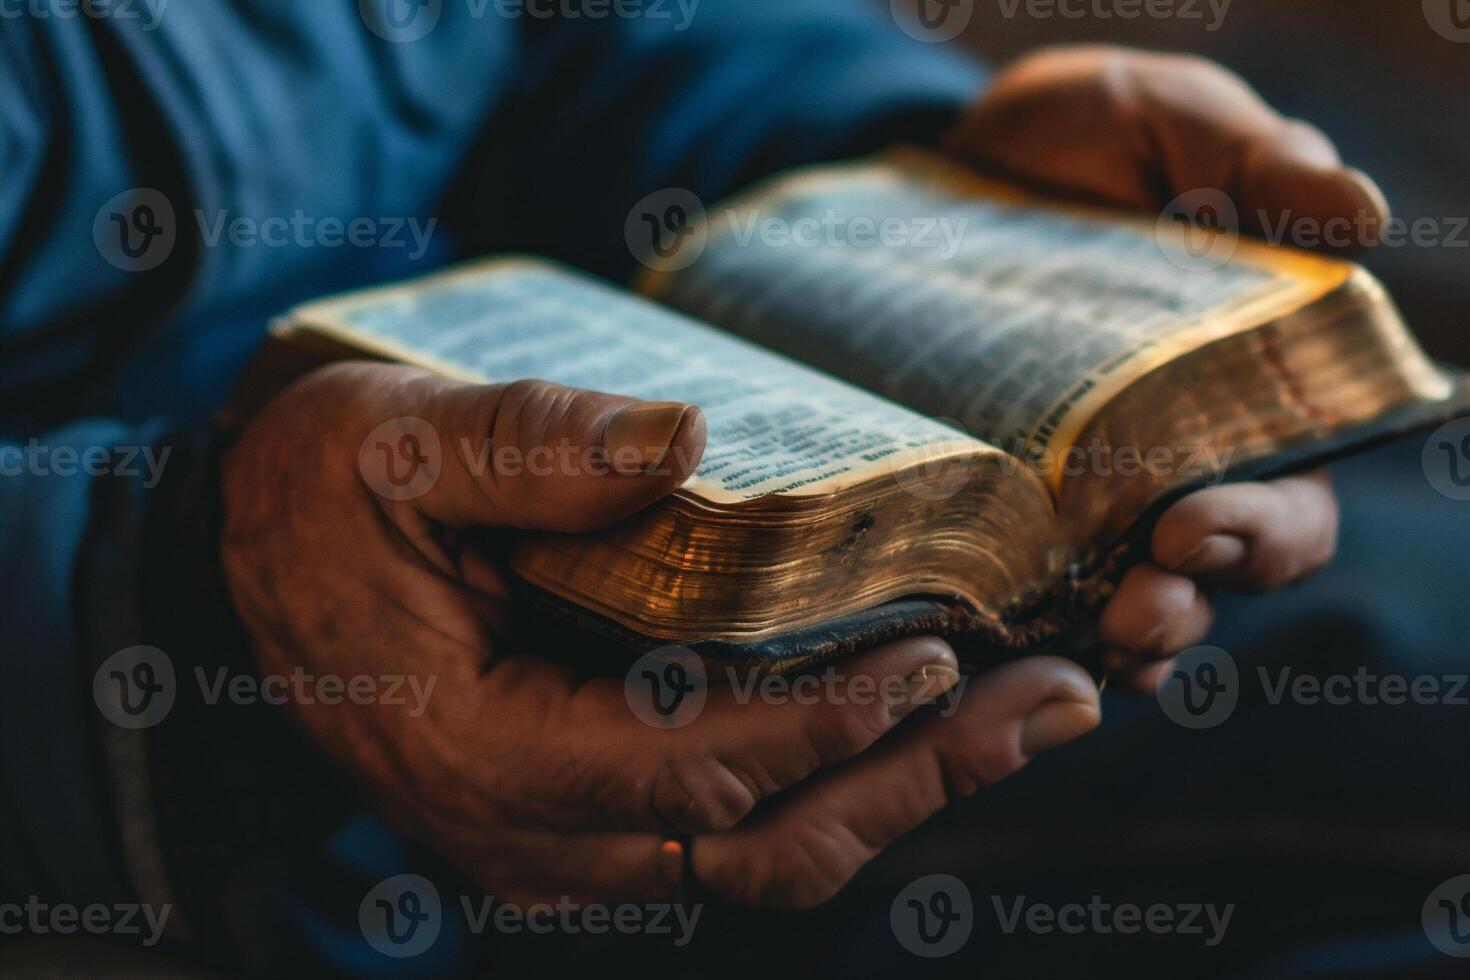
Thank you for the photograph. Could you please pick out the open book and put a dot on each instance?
(958, 430)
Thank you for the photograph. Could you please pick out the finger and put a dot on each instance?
(814, 840)
(537, 455)
(1051, 119)
(753, 738)
(1145, 679)
(1154, 613)
(539, 865)
(1252, 536)
(1138, 129)
(1212, 130)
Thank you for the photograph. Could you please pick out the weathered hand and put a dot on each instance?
(1138, 129)
(537, 779)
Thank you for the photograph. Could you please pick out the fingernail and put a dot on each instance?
(924, 686)
(1215, 553)
(1055, 723)
(1374, 200)
(637, 438)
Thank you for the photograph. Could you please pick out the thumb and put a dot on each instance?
(532, 455)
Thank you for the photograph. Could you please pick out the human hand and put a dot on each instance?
(534, 778)
(1138, 129)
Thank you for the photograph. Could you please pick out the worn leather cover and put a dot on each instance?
(1062, 624)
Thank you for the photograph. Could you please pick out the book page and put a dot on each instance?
(775, 426)
(969, 300)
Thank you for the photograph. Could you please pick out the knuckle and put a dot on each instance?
(971, 764)
(1203, 69)
(837, 736)
(1273, 564)
(700, 794)
(530, 407)
(808, 869)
